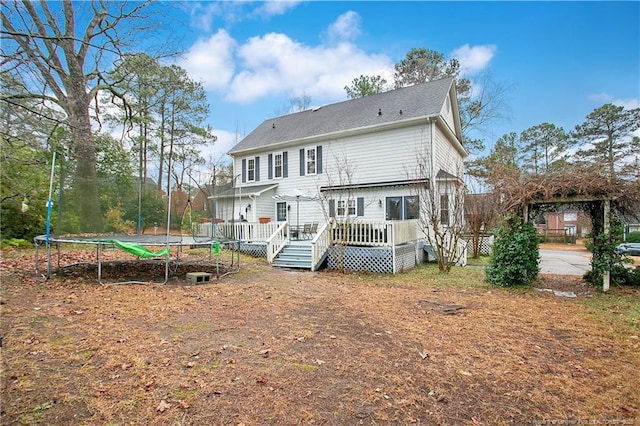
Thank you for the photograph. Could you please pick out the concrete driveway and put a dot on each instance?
(564, 262)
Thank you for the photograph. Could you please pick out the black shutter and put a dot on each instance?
(360, 206)
(244, 170)
(302, 162)
(257, 169)
(319, 159)
(332, 208)
(270, 166)
(285, 165)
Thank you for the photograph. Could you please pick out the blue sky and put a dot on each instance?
(560, 60)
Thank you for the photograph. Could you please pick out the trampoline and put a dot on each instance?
(142, 247)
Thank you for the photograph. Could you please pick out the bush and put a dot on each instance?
(515, 256)
(633, 237)
(15, 243)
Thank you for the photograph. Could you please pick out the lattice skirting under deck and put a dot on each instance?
(357, 259)
(254, 249)
(372, 259)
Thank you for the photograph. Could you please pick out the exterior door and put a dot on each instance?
(281, 211)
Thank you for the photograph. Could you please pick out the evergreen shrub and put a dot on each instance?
(515, 257)
(633, 237)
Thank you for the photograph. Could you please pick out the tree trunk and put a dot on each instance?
(88, 196)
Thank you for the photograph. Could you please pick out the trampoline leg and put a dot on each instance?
(49, 259)
(99, 257)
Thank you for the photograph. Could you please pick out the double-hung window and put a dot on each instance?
(251, 170)
(343, 208)
(311, 161)
(444, 209)
(351, 207)
(277, 165)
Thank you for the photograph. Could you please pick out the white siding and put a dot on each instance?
(447, 158)
(447, 112)
(382, 156)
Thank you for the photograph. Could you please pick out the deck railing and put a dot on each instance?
(320, 244)
(369, 233)
(277, 241)
(374, 233)
(244, 231)
(366, 233)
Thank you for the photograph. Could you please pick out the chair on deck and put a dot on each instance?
(306, 231)
(309, 230)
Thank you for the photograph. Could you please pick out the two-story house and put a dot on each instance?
(357, 160)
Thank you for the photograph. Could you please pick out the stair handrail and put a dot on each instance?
(277, 241)
(320, 244)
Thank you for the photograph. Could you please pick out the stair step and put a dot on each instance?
(294, 256)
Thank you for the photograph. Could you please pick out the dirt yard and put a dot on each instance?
(267, 346)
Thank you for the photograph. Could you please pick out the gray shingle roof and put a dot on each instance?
(245, 191)
(421, 100)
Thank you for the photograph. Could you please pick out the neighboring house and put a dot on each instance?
(568, 224)
(357, 160)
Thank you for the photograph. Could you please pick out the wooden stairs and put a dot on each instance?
(297, 254)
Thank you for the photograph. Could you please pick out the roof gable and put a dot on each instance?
(421, 100)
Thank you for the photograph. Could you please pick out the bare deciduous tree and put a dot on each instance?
(63, 52)
(441, 196)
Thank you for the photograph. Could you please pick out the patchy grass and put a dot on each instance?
(272, 346)
(478, 261)
(618, 309)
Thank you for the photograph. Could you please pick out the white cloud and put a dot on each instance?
(605, 98)
(627, 103)
(275, 64)
(217, 152)
(211, 61)
(207, 15)
(474, 58)
(275, 7)
(346, 27)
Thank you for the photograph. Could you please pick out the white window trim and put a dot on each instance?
(275, 155)
(443, 209)
(315, 161)
(348, 204)
(250, 169)
(351, 204)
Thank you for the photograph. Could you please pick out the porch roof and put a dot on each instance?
(384, 184)
(245, 191)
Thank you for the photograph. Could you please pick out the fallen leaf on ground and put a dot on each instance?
(163, 406)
